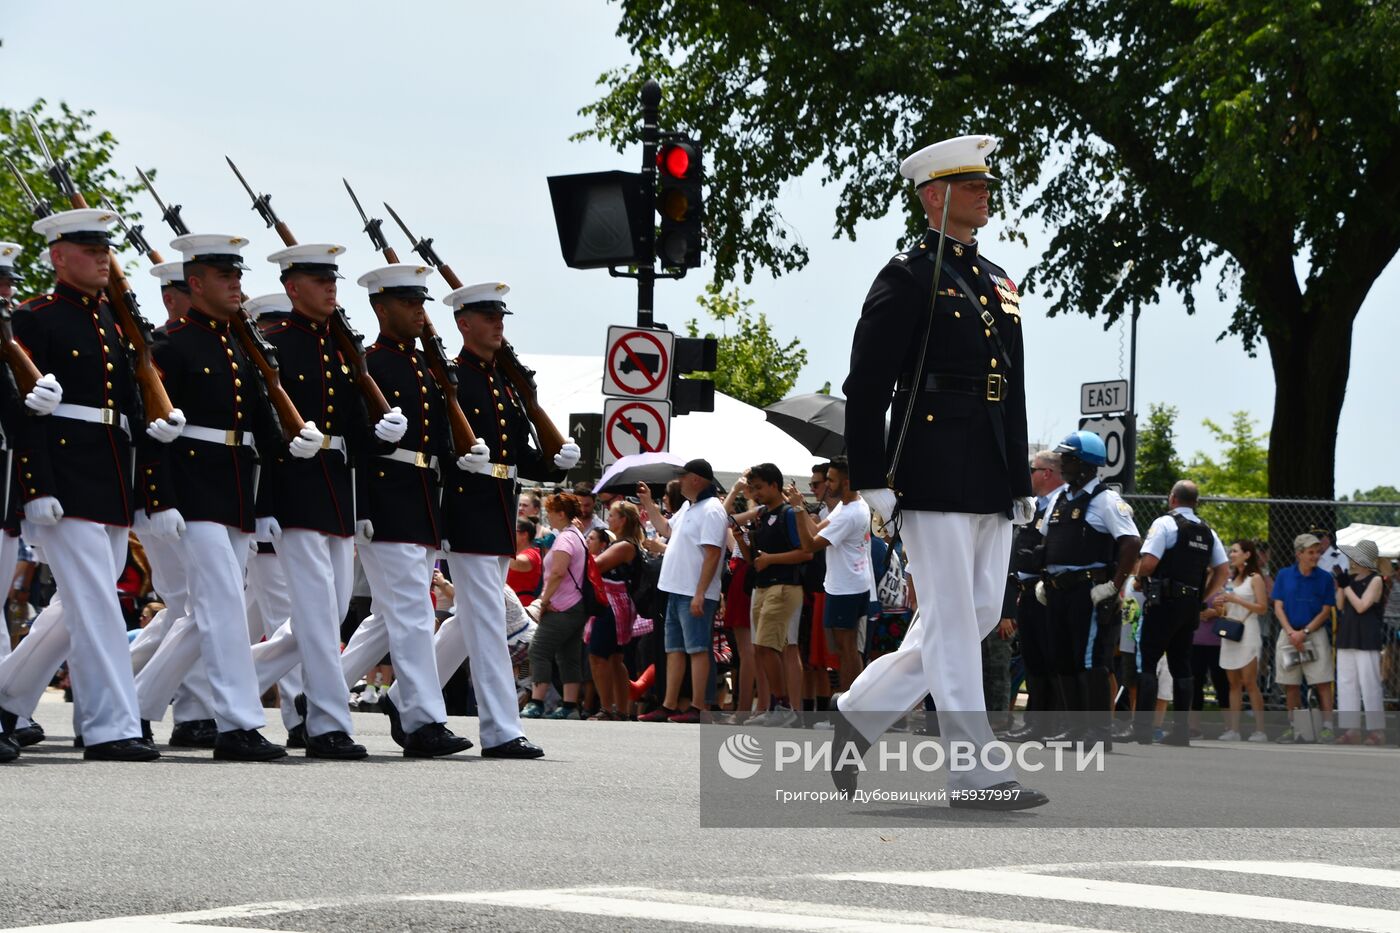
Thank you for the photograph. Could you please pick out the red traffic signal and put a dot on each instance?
(679, 200)
(675, 159)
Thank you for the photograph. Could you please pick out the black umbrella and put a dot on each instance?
(654, 469)
(816, 421)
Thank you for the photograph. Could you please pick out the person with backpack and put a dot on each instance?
(774, 550)
(558, 643)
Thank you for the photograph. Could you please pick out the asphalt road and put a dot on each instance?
(604, 834)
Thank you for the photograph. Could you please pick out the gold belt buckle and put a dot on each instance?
(325, 442)
(500, 471)
(231, 438)
(994, 385)
(420, 459)
(109, 416)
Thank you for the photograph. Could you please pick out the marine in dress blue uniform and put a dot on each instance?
(962, 476)
(479, 503)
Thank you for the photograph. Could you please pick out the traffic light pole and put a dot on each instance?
(651, 134)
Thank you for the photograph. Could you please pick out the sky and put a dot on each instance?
(456, 113)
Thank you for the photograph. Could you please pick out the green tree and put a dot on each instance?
(752, 365)
(1371, 515)
(1158, 464)
(89, 154)
(1154, 138)
(1240, 471)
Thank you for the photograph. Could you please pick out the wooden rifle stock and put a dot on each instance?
(26, 373)
(264, 357)
(523, 378)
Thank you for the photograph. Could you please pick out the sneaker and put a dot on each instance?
(1350, 737)
(825, 725)
(690, 716)
(660, 714)
(781, 718)
(1230, 735)
(1288, 737)
(759, 718)
(1258, 736)
(1159, 735)
(564, 712)
(1326, 736)
(533, 710)
(1375, 737)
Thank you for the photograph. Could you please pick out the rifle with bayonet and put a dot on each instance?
(262, 353)
(349, 341)
(14, 355)
(443, 370)
(135, 328)
(521, 376)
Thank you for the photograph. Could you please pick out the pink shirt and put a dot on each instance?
(568, 542)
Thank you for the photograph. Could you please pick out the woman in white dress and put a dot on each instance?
(1244, 599)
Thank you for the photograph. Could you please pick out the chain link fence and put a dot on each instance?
(1272, 524)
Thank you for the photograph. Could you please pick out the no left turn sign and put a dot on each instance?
(634, 428)
(638, 363)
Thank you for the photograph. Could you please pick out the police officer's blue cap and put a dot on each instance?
(1084, 445)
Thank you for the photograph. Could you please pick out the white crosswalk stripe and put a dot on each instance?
(1030, 883)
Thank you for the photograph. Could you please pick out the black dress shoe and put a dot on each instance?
(133, 749)
(246, 745)
(1008, 795)
(9, 750)
(195, 733)
(845, 773)
(299, 704)
(296, 736)
(8, 720)
(335, 745)
(146, 735)
(395, 724)
(433, 741)
(26, 736)
(515, 748)
(78, 741)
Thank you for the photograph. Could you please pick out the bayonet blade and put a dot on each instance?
(134, 236)
(262, 203)
(39, 137)
(424, 248)
(58, 170)
(372, 225)
(171, 215)
(39, 207)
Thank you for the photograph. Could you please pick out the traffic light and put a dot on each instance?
(601, 219)
(693, 355)
(680, 201)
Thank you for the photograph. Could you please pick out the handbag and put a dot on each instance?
(1231, 629)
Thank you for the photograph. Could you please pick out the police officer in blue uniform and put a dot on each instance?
(1033, 629)
(1091, 547)
(478, 511)
(1183, 566)
(945, 358)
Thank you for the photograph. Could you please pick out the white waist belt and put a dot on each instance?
(108, 416)
(494, 470)
(412, 458)
(333, 442)
(194, 432)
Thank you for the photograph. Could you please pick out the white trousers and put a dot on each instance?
(319, 572)
(86, 559)
(268, 610)
(959, 563)
(9, 560)
(402, 621)
(1358, 688)
(26, 673)
(192, 699)
(214, 627)
(478, 630)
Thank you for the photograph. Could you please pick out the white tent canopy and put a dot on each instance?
(1387, 537)
(733, 437)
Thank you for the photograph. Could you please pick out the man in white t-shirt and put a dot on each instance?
(690, 576)
(845, 536)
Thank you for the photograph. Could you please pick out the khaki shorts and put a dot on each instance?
(1319, 671)
(776, 613)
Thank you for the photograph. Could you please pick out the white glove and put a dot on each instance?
(45, 395)
(1102, 591)
(881, 501)
(266, 529)
(44, 510)
(168, 428)
(568, 455)
(479, 455)
(167, 525)
(1022, 510)
(392, 427)
(364, 531)
(307, 443)
(1040, 594)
